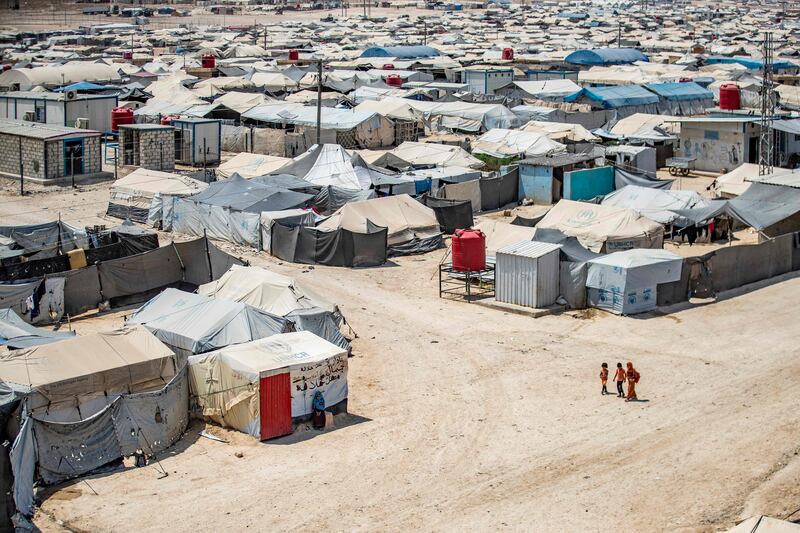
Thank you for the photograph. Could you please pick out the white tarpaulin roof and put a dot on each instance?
(227, 381)
(323, 165)
(146, 183)
(544, 89)
(630, 269)
(644, 125)
(405, 218)
(249, 165)
(510, 143)
(655, 204)
(433, 154)
(595, 225)
(559, 131)
(466, 116)
(266, 290)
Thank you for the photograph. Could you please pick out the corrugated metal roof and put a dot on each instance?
(529, 248)
(36, 130)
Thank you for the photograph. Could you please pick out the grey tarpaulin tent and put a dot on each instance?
(282, 296)
(451, 214)
(573, 267)
(338, 247)
(16, 333)
(770, 209)
(624, 177)
(192, 323)
(230, 210)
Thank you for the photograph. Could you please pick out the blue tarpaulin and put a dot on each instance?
(750, 63)
(616, 96)
(83, 86)
(605, 56)
(680, 91)
(400, 52)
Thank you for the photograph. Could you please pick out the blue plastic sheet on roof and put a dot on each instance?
(605, 56)
(616, 96)
(572, 15)
(750, 63)
(83, 86)
(680, 91)
(401, 52)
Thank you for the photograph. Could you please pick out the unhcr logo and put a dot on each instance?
(582, 218)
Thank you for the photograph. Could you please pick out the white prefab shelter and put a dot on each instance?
(625, 282)
(260, 387)
(527, 273)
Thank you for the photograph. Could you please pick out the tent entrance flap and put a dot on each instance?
(275, 406)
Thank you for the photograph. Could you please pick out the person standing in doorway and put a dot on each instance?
(619, 377)
(633, 378)
(604, 378)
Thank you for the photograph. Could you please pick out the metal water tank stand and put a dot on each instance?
(466, 285)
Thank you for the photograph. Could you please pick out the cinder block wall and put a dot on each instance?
(32, 155)
(157, 149)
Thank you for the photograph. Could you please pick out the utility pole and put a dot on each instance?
(619, 35)
(319, 102)
(766, 145)
(21, 171)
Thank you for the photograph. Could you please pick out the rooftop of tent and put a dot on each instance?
(400, 52)
(605, 56)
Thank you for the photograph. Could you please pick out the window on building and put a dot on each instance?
(711, 135)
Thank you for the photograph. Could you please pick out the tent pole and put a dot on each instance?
(319, 102)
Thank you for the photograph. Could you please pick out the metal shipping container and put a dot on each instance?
(527, 273)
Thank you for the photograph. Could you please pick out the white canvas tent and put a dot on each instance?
(249, 165)
(420, 154)
(410, 224)
(139, 195)
(655, 204)
(282, 296)
(504, 143)
(603, 228)
(324, 165)
(500, 234)
(283, 372)
(558, 131)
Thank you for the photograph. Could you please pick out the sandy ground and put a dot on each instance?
(463, 417)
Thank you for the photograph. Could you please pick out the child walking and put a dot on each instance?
(604, 378)
(619, 377)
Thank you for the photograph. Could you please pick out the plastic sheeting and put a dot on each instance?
(451, 214)
(301, 244)
(192, 323)
(503, 143)
(330, 198)
(499, 192)
(623, 178)
(656, 204)
(16, 333)
(469, 191)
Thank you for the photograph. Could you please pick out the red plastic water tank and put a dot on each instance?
(166, 120)
(685, 80)
(120, 115)
(6, 67)
(208, 61)
(394, 80)
(469, 250)
(729, 97)
(388, 66)
(294, 54)
(508, 54)
(127, 55)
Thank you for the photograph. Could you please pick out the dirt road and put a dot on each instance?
(465, 417)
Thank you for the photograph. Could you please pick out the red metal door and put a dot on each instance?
(276, 406)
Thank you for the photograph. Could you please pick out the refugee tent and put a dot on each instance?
(192, 323)
(16, 333)
(100, 397)
(25, 79)
(261, 387)
(656, 204)
(249, 165)
(625, 282)
(464, 116)
(605, 56)
(644, 126)
(733, 183)
(287, 217)
(502, 143)
(139, 195)
(282, 296)
(412, 227)
(561, 132)
(327, 165)
(422, 155)
(771, 210)
(603, 228)
(626, 100)
(682, 98)
(230, 210)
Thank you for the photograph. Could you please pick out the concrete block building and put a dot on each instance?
(150, 146)
(48, 153)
